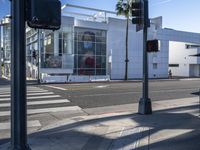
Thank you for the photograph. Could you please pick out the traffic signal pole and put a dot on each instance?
(145, 102)
(18, 77)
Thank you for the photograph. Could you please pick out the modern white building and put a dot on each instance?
(5, 46)
(184, 48)
(92, 47)
(87, 50)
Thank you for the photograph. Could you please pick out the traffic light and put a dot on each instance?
(44, 14)
(138, 12)
(152, 46)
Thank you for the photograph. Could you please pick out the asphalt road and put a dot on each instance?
(90, 95)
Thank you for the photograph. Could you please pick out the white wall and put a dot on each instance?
(179, 54)
(116, 42)
(172, 48)
(116, 36)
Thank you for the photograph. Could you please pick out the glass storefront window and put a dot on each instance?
(58, 49)
(51, 61)
(100, 49)
(101, 62)
(90, 51)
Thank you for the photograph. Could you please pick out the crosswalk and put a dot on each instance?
(38, 101)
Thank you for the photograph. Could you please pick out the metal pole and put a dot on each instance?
(145, 101)
(38, 56)
(18, 77)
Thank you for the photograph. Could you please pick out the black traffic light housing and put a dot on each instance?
(152, 46)
(138, 12)
(44, 14)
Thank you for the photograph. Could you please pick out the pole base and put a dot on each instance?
(145, 107)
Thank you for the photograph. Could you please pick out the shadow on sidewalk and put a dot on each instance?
(70, 137)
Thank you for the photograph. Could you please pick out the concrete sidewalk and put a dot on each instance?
(174, 125)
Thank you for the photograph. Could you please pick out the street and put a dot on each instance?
(48, 103)
(89, 95)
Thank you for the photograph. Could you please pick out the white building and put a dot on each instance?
(182, 47)
(94, 49)
(84, 50)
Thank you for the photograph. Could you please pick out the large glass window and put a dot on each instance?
(58, 49)
(90, 52)
(6, 41)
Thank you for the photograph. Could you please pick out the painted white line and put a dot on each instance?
(29, 88)
(55, 87)
(59, 101)
(40, 91)
(102, 86)
(30, 94)
(46, 93)
(2, 89)
(35, 97)
(41, 97)
(34, 123)
(4, 99)
(45, 110)
(49, 102)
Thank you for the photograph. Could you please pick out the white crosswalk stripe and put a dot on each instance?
(38, 101)
(29, 94)
(34, 97)
(44, 110)
(34, 123)
(34, 91)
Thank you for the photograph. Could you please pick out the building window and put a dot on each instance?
(155, 66)
(191, 46)
(173, 65)
(90, 52)
(58, 49)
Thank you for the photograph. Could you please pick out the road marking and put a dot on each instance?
(30, 94)
(41, 97)
(45, 110)
(102, 86)
(29, 87)
(59, 101)
(55, 87)
(40, 91)
(35, 97)
(33, 123)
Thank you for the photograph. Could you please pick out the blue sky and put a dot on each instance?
(177, 14)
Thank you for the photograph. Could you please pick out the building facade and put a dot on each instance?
(90, 50)
(5, 52)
